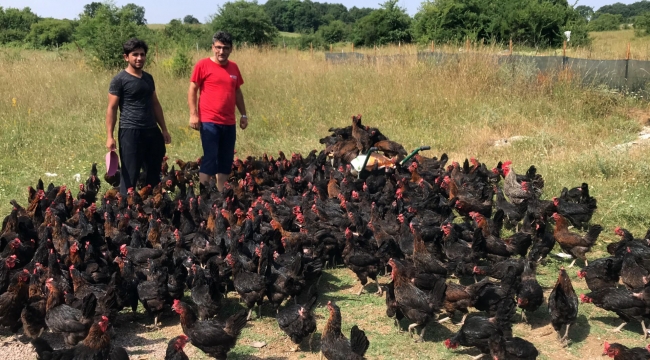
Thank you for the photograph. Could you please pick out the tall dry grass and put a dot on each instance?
(52, 109)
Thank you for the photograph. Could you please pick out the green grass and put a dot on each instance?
(56, 125)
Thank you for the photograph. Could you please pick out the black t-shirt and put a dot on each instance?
(136, 100)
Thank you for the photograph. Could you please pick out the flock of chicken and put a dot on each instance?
(71, 265)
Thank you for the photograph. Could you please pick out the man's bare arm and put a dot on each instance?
(111, 120)
(191, 103)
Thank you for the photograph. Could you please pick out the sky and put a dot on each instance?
(162, 11)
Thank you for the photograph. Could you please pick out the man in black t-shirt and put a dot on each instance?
(142, 142)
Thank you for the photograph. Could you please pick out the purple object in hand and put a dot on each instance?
(111, 163)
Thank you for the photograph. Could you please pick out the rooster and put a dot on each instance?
(577, 246)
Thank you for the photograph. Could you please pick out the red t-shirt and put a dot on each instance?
(217, 84)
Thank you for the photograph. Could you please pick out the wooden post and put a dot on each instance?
(433, 46)
(627, 52)
(311, 49)
(564, 49)
(331, 47)
(375, 51)
(467, 45)
(352, 47)
(510, 46)
(399, 46)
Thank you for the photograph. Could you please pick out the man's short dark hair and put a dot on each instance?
(133, 44)
(222, 36)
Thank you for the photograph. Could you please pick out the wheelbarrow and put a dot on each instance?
(362, 169)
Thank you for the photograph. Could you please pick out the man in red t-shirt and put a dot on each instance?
(219, 81)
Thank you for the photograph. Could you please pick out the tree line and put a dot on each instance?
(102, 27)
(618, 16)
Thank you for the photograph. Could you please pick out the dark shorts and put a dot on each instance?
(218, 148)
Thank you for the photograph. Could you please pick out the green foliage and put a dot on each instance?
(528, 22)
(334, 32)
(642, 25)
(134, 13)
(15, 24)
(626, 11)
(104, 33)
(586, 12)
(293, 15)
(181, 65)
(246, 21)
(579, 32)
(50, 32)
(606, 22)
(180, 34)
(390, 24)
(189, 19)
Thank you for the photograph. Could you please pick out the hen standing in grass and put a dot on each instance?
(213, 337)
(297, 321)
(563, 306)
(335, 346)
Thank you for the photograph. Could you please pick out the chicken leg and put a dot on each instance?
(249, 314)
(645, 330)
(442, 321)
(523, 316)
(572, 263)
(380, 291)
(411, 328)
(361, 290)
(619, 328)
(421, 338)
(462, 322)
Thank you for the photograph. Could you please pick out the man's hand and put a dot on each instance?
(167, 137)
(243, 123)
(195, 123)
(110, 143)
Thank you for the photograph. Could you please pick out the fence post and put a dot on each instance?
(399, 45)
(330, 47)
(311, 49)
(352, 47)
(467, 45)
(433, 46)
(627, 61)
(510, 46)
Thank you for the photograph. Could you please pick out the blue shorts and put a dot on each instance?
(218, 148)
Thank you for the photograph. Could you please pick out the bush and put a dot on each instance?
(246, 21)
(390, 24)
(15, 24)
(50, 33)
(528, 22)
(181, 65)
(606, 22)
(642, 24)
(104, 33)
(334, 32)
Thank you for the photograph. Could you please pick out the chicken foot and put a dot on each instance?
(421, 338)
(619, 328)
(565, 339)
(523, 316)
(477, 357)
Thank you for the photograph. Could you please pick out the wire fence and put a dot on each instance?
(624, 75)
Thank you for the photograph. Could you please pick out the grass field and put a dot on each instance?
(52, 121)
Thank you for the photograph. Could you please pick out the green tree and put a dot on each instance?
(105, 32)
(390, 24)
(246, 21)
(586, 12)
(334, 32)
(187, 35)
(606, 22)
(306, 17)
(133, 13)
(642, 25)
(50, 32)
(91, 9)
(191, 20)
(278, 12)
(527, 22)
(15, 24)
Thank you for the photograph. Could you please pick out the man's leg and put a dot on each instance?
(154, 153)
(130, 158)
(209, 141)
(226, 153)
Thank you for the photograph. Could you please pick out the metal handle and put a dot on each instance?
(427, 147)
